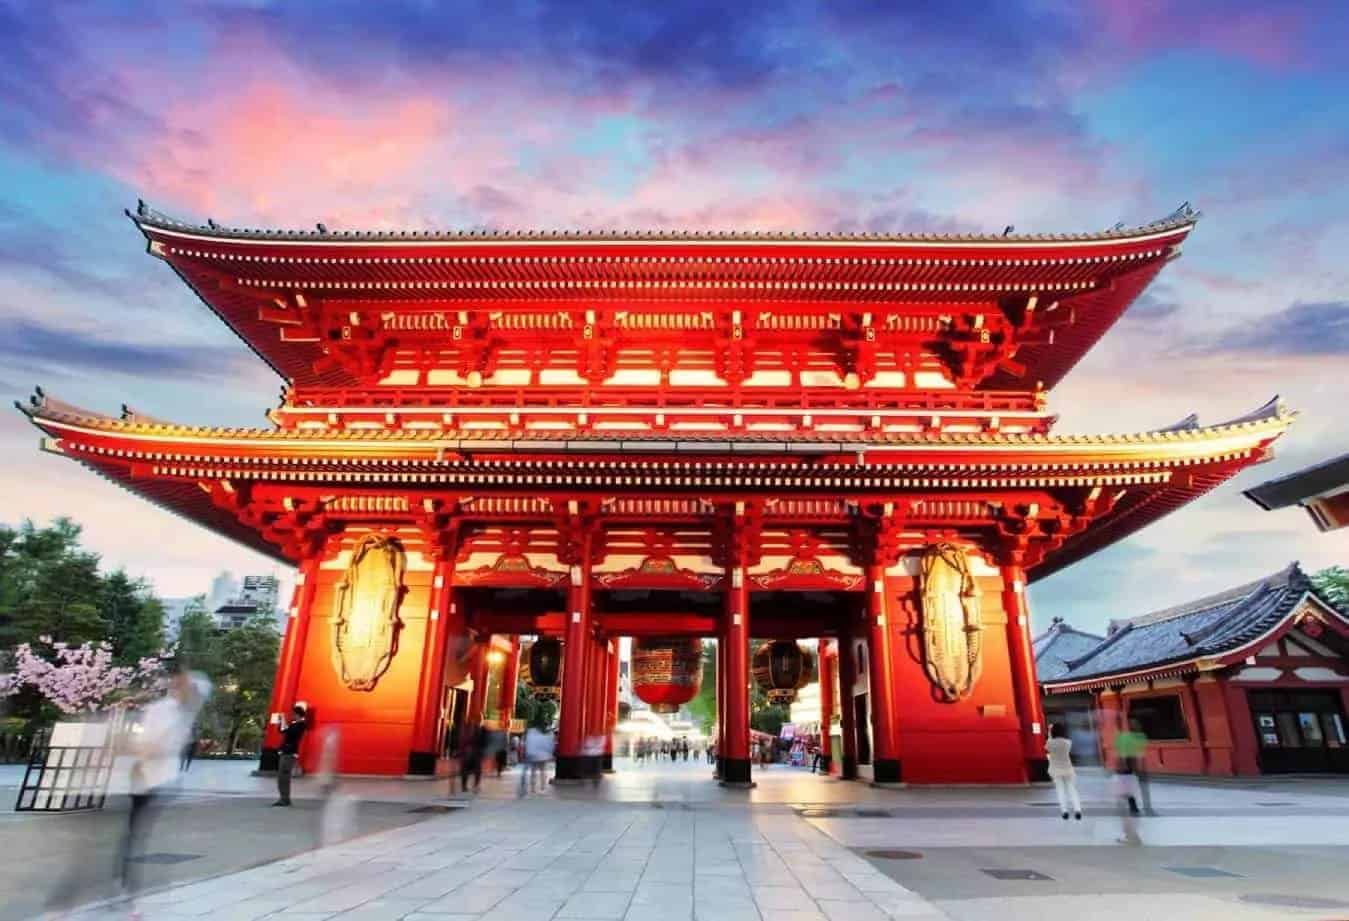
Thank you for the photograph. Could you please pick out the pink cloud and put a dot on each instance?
(1270, 35)
(264, 140)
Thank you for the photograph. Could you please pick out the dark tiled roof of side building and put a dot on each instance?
(1206, 627)
(1059, 645)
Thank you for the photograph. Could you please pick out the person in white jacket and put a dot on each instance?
(157, 745)
(1061, 770)
(534, 766)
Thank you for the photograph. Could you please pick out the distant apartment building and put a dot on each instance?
(255, 595)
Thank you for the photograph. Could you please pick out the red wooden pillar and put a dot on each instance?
(572, 709)
(847, 679)
(510, 680)
(1025, 686)
(885, 759)
(826, 676)
(735, 630)
(721, 705)
(477, 700)
(291, 658)
(596, 694)
(1245, 743)
(1197, 726)
(424, 753)
(610, 704)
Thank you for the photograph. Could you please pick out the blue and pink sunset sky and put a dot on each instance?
(835, 115)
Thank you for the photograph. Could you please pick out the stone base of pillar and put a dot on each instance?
(270, 760)
(735, 772)
(886, 771)
(571, 767)
(848, 769)
(607, 764)
(1037, 769)
(422, 763)
(825, 763)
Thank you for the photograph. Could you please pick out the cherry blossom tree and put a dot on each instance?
(79, 679)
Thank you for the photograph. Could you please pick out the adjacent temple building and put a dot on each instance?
(583, 436)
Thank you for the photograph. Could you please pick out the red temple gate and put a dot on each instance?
(664, 435)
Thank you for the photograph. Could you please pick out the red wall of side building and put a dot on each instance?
(1221, 730)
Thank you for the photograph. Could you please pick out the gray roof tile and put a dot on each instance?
(1207, 627)
(1059, 645)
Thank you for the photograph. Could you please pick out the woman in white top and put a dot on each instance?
(1061, 770)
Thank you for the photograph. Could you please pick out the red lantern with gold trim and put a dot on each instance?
(667, 672)
(781, 668)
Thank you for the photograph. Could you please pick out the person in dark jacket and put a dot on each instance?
(471, 762)
(292, 733)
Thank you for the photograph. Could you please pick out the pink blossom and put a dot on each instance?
(82, 679)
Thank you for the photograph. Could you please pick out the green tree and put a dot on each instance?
(133, 617)
(703, 708)
(49, 586)
(764, 716)
(1332, 584)
(540, 713)
(242, 665)
(196, 637)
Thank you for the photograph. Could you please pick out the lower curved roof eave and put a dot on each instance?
(1138, 508)
(190, 505)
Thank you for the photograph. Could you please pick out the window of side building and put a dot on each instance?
(1161, 718)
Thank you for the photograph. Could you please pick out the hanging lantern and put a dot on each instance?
(667, 673)
(782, 667)
(543, 669)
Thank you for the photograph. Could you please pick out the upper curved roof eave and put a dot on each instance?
(147, 218)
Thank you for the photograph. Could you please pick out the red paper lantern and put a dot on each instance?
(543, 669)
(781, 668)
(667, 673)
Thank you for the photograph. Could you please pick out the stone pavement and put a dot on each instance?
(547, 858)
(664, 842)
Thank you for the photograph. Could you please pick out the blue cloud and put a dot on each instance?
(1309, 329)
(41, 349)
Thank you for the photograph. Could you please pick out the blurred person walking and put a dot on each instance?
(1061, 771)
(1131, 746)
(499, 753)
(1130, 750)
(592, 750)
(470, 764)
(292, 734)
(157, 747)
(189, 751)
(337, 817)
(534, 766)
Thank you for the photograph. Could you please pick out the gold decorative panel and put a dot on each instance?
(365, 629)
